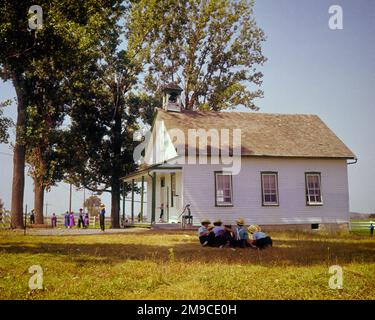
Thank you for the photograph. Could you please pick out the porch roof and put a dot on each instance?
(146, 169)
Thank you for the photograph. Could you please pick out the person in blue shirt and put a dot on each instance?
(66, 219)
(260, 239)
(102, 217)
(240, 234)
(204, 232)
(371, 227)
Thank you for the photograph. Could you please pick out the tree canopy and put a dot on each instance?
(97, 66)
(36, 60)
(212, 48)
(5, 123)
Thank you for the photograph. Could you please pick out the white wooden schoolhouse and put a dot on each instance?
(276, 170)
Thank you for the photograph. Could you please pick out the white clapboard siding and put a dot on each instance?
(199, 189)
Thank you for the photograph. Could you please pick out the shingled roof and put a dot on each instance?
(266, 134)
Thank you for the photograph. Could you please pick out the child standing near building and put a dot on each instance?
(66, 219)
(80, 218)
(102, 217)
(71, 220)
(53, 220)
(86, 221)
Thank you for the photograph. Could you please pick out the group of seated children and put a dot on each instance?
(220, 235)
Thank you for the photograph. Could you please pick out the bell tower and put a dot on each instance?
(172, 97)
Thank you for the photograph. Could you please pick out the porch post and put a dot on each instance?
(153, 207)
(142, 196)
(132, 211)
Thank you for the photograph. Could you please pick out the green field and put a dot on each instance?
(361, 226)
(172, 265)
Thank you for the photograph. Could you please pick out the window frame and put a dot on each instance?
(226, 204)
(269, 204)
(307, 196)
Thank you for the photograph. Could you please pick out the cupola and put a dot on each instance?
(172, 97)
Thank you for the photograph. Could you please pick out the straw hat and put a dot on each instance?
(205, 221)
(102, 205)
(218, 221)
(240, 222)
(253, 228)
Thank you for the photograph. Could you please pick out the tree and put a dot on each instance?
(5, 123)
(92, 204)
(105, 112)
(211, 47)
(104, 115)
(69, 36)
(45, 114)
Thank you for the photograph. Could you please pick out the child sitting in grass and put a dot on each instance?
(203, 232)
(240, 234)
(260, 239)
(218, 232)
(223, 235)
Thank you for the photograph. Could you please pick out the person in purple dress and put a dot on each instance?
(71, 220)
(53, 220)
(86, 221)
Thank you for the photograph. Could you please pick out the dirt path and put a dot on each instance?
(76, 231)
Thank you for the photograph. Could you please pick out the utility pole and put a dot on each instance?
(70, 199)
(46, 214)
(84, 199)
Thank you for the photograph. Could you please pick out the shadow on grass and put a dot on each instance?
(285, 252)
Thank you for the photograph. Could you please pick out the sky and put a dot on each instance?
(310, 69)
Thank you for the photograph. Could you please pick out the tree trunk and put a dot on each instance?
(115, 203)
(19, 153)
(38, 202)
(116, 168)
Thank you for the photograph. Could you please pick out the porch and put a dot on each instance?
(156, 196)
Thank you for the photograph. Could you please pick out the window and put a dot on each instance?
(315, 226)
(223, 188)
(270, 196)
(313, 189)
(173, 188)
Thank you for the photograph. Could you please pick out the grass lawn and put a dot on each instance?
(172, 265)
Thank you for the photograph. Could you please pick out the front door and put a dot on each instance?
(173, 198)
(169, 207)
